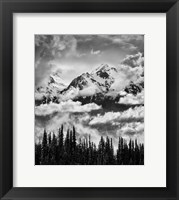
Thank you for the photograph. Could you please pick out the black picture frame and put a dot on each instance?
(7, 8)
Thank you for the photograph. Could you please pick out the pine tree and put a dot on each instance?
(59, 150)
(141, 154)
(67, 155)
(71, 147)
(49, 149)
(38, 154)
(130, 153)
(74, 138)
(54, 159)
(44, 149)
(112, 159)
(120, 152)
(101, 152)
(107, 151)
(125, 154)
(74, 150)
(60, 146)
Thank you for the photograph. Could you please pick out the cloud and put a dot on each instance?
(130, 70)
(81, 55)
(88, 91)
(132, 114)
(129, 43)
(132, 100)
(128, 124)
(131, 37)
(44, 69)
(49, 49)
(78, 52)
(123, 37)
(85, 131)
(52, 46)
(95, 52)
(136, 60)
(126, 75)
(134, 130)
(64, 107)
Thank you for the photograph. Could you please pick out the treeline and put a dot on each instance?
(60, 150)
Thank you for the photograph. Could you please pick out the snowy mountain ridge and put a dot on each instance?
(51, 90)
(96, 86)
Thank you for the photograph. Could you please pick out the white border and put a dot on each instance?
(153, 173)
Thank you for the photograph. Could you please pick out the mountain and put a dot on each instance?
(100, 79)
(90, 85)
(97, 87)
(51, 90)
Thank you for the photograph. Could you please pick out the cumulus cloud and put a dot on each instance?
(77, 51)
(88, 91)
(52, 46)
(64, 107)
(133, 130)
(132, 114)
(132, 100)
(129, 43)
(85, 131)
(95, 52)
(126, 75)
(130, 70)
(113, 125)
(48, 49)
(133, 60)
(44, 69)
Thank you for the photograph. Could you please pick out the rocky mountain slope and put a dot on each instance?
(98, 87)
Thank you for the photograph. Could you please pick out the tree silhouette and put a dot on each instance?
(60, 150)
(44, 153)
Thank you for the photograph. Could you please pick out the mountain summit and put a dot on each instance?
(51, 90)
(89, 84)
(96, 86)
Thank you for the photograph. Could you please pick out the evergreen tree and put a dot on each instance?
(141, 154)
(125, 154)
(112, 159)
(101, 152)
(38, 154)
(44, 149)
(54, 159)
(137, 153)
(130, 153)
(60, 145)
(107, 151)
(66, 151)
(74, 149)
(120, 151)
(67, 148)
(49, 149)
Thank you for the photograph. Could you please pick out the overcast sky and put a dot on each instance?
(73, 55)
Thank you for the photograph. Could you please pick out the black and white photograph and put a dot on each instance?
(89, 99)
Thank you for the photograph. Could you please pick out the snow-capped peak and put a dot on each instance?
(103, 81)
(88, 84)
(55, 78)
(51, 89)
(103, 68)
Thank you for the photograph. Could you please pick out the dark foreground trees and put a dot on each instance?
(60, 150)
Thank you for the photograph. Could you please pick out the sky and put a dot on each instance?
(72, 55)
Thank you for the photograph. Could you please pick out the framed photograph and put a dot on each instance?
(89, 99)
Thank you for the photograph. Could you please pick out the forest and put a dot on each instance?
(66, 150)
